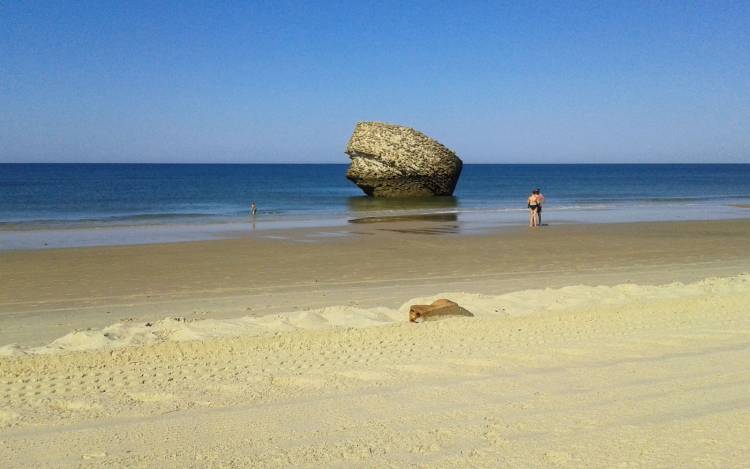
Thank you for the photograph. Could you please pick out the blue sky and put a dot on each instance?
(546, 82)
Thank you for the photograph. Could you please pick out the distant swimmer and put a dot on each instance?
(253, 209)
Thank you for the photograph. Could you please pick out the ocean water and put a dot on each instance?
(180, 202)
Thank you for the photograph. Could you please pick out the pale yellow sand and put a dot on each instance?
(582, 376)
(298, 354)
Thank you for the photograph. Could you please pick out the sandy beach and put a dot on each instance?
(375, 235)
(622, 345)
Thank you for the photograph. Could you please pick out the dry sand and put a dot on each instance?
(608, 371)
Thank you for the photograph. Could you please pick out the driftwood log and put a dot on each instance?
(438, 309)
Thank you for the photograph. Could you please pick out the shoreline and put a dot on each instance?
(31, 236)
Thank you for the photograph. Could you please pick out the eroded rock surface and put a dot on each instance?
(395, 161)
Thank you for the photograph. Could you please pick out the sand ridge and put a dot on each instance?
(525, 302)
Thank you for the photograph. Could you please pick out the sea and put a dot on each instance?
(67, 205)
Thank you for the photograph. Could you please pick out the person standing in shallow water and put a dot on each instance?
(539, 203)
(253, 209)
(534, 204)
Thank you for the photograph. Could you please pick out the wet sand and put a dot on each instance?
(45, 294)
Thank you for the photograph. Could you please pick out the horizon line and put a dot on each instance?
(347, 163)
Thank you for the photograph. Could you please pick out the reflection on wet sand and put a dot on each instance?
(408, 210)
(440, 217)
(438, 230)
(436, 223)
(373, 204)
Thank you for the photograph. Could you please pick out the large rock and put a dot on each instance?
(395, 161)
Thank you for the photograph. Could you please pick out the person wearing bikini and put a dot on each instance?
(534, 202)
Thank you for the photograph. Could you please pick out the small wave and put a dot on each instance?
(153, 216)
(140, 218)
(668, 199)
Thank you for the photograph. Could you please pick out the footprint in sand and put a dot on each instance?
(151, 397)
(420, 369)
(558, 457)
(425, 449)
(225, 388)
(364, 375)
(8, 417)
(75, 405)
(300, 382)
